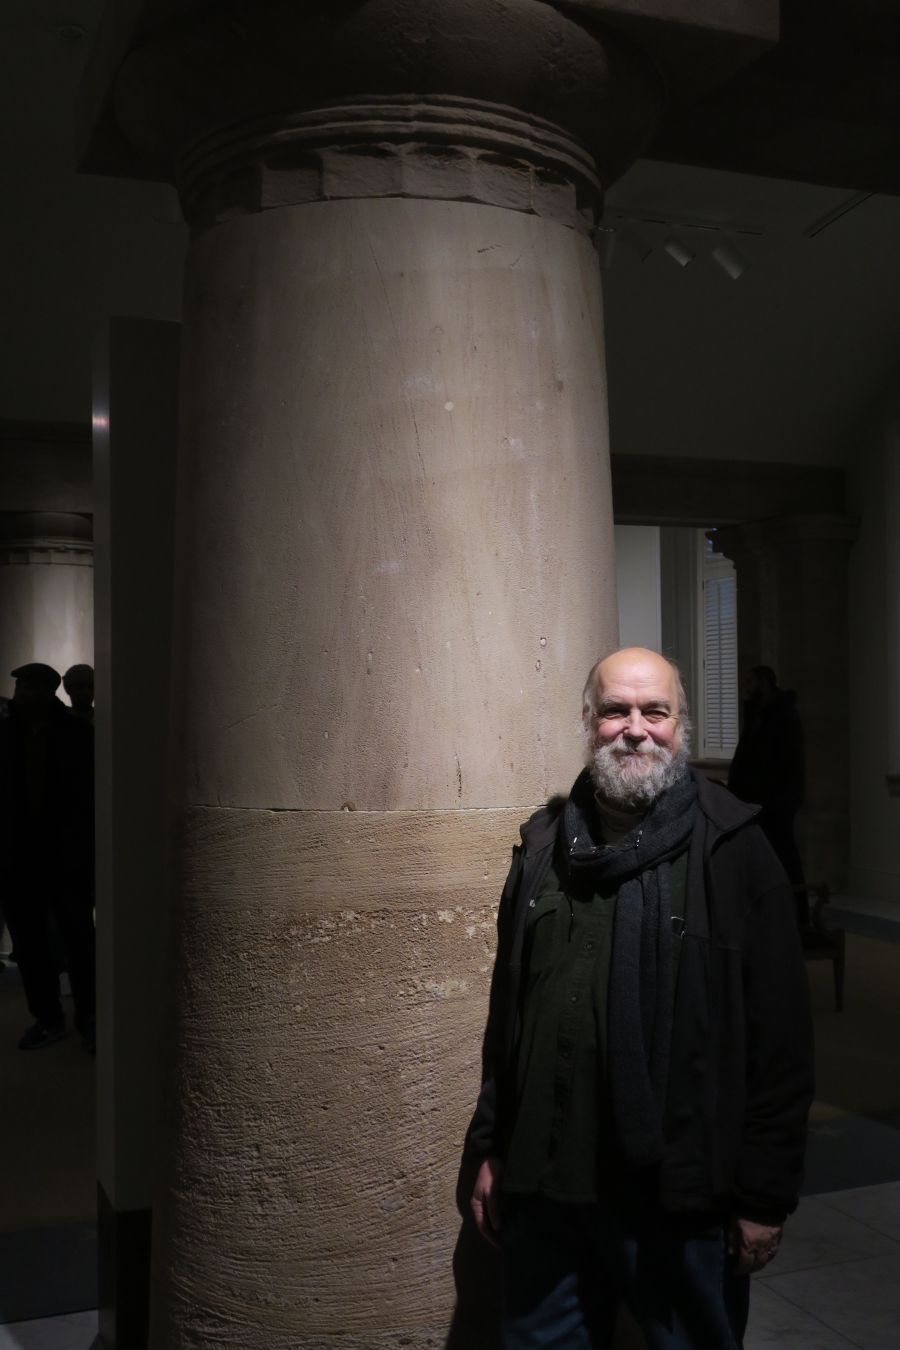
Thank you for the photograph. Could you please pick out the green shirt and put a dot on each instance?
(563, 1136)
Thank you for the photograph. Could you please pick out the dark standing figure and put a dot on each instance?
(47, 850)
(768, 768)
(648, 1056)
(78, 683)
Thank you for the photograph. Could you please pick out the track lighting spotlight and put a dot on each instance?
(679, 251)
(730, 260)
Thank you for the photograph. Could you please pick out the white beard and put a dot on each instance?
(633, 777)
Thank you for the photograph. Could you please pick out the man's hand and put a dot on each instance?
(485, 1199)
(752, 1244)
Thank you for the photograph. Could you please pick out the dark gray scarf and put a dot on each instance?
(639, 1022)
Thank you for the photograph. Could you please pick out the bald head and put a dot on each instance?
(628, 664)
(635, 726)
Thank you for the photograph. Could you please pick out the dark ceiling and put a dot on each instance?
(783, 364)
(823, 106)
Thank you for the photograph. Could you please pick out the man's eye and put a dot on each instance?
(656, 715)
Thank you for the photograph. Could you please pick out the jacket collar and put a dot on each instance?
(539, 831)
(723, 810)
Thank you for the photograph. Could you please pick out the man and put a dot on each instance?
(47, 850)
(768, 767)
(78, 683)
(647, 1060)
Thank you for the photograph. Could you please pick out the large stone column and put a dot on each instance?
(792, 615)
(46, 590)
(394, 568)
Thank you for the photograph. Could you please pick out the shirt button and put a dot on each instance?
(589, 946)
(574, 998)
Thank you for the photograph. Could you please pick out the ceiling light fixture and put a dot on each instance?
(678, 251)
(731, 260)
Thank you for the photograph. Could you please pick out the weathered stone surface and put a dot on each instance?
(396, 568)
(326, 861)
(394, 432)
(442, 149)
(327, 1065)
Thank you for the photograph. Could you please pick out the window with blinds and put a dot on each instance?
(718, 650)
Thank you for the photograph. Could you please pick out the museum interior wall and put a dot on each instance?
(638, 590)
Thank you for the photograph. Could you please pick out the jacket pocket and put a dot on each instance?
(544, 934)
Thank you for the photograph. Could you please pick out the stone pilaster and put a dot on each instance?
(792, 616)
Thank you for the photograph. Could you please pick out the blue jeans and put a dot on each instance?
(567, 1267)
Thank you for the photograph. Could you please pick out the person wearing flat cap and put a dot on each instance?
(47, 851)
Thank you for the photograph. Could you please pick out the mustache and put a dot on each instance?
(621, 747)
(615, 776)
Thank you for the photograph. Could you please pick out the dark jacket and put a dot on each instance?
(53, 835)
(741, 1068)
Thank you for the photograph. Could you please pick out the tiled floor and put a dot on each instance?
(836, 1281)
(76, 1331)
(834, 1286)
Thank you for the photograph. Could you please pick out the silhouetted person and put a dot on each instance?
(78, 683)
(768, 767)
(46, 850)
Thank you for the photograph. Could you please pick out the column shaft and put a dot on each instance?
(398, 562)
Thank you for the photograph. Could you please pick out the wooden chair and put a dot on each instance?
(820, 941)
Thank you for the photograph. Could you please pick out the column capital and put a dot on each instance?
(514, 103)
(440, 148)
(46, 536)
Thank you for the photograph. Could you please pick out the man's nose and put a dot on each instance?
(634, 727)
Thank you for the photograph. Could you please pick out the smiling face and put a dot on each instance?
(635, 734)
